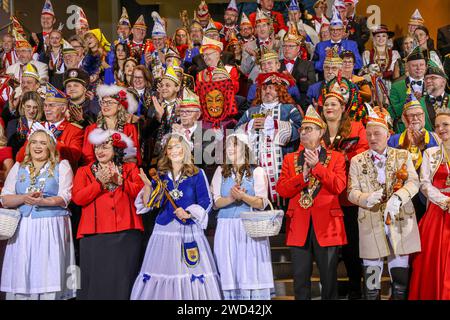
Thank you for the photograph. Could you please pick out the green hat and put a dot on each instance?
(433, 68)
(416, 54)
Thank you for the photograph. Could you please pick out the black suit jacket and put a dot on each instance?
(40, 46)
(443, 40)
(358, 32)
(198, 63)
(304, 75)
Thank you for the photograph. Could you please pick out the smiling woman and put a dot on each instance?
(40, 188)
(117, 106)
(110, 232)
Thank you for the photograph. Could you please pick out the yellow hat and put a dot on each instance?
(97, 33)
(267, 55)
(171, 75)
(31, 71)
(293, 35)
(332, 57)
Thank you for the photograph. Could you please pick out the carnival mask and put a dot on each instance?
(214, 103)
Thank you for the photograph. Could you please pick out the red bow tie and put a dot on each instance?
(264, 43)
(44, 34)
(286, 61)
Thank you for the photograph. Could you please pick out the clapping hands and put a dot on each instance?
(237, 193)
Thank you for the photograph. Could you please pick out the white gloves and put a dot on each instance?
(392, 207)
(374, 198)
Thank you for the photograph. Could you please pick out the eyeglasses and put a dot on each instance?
(306, 130)
(187, 112)
(109, 103)
(415, 116)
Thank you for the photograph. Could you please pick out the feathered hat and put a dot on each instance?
(119, 140)
(121, 94)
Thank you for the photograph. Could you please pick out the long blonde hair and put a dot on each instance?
(53, 154)
(121, 119)
(165, 164)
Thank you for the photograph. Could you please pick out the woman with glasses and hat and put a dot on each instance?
(117, 105)
(110, 231)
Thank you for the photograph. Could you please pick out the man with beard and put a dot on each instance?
(230, 18)
(435, 83)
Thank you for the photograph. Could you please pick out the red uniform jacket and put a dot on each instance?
(106, 211)
(69, 144)
(349, 150)
(88, 149)
(326, 214)
(278, 21)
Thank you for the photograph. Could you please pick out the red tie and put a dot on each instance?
(286, 61)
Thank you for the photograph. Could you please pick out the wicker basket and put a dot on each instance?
(259, 224)
(9, 219)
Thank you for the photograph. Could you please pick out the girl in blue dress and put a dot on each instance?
(178, 263)
(244, 263)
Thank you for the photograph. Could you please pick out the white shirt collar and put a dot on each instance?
(140, 91)
(269, 106)
(56, 124)
(382, 156)
(412, 79)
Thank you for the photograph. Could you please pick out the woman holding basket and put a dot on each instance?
(244, 263)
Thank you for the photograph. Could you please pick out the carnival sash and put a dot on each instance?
(310, 192)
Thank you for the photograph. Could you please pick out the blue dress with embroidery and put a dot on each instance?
(165, 275)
